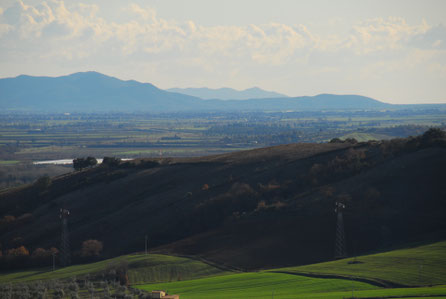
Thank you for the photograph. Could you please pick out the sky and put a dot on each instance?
(393, 51)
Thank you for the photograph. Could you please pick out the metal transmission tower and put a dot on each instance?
(340, 251)
(65, 256)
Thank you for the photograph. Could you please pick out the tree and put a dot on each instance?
(19, 251)
(434, 133)
(91, 161)
(81, 163)
(91, 248)
(336, 140)
(54, 250)
(78, 163)
(40, 252)
(43, 182)
(111, 161)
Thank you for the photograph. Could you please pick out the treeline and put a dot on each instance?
(21, 257)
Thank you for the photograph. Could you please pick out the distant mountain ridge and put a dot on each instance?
(226, 93)
(87, 92)
(95, 92)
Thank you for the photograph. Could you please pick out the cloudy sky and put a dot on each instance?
(394, 51)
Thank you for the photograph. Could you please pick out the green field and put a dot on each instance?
(195, 279)
(417, 266)
(142, 268)
(8, 162)
(256, 285)
(364, 137)
(278, 285)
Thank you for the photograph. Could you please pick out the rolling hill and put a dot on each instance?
(367, 276)
(263, 208)
(417, 265)
(95, 92)
(410, 271)
(142, 268)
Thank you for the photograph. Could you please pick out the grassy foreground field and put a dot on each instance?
(141, 268)
(195, 279)
(256, 285)
(279, 285)
(417, 266)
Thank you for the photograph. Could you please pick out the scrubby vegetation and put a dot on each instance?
(72, 288)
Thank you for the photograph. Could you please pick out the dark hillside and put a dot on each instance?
(261, 208)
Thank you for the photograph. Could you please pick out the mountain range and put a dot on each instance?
(86, 92)
(96, 92)
(228, 93)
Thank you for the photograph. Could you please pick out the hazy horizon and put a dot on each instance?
(393, 52)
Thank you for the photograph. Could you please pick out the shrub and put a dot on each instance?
(81, 163)
(91, 248)
(43, 182)
(111, 161)
(19, 251)
(434, 133)
(59, 293)
(40, 252)
(117, 272)
(351, 140)
(336, 140)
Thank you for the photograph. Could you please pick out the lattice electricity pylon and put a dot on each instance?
(65, 255)
(340, 251)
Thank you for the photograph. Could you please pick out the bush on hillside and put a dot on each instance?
(434, 133)
(43, 183)
(433, 137)
(81, 163)
(336, 140)
(348, 140)
(19, 251)
(91, 248)
(111, 161)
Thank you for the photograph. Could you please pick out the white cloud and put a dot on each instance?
(433, 38)
(382, 35)
(272, 43)
(146, 13)
(76, 35)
